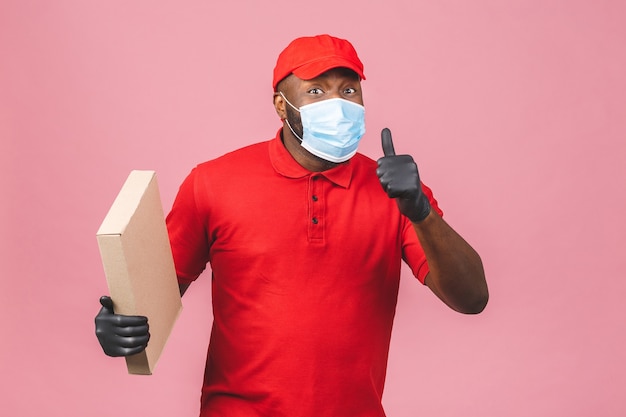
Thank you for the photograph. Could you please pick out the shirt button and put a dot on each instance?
(314, 220)
(314, 198)
(314, 178)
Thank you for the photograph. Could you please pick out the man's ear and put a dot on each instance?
(280, 105)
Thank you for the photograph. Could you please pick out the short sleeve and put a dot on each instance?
(187, 232)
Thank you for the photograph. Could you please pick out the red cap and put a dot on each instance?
(308, 57)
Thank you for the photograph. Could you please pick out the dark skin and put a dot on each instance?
(456, 273)
(336, 83)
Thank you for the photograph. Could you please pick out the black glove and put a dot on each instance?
(120, 335)
(400, 179)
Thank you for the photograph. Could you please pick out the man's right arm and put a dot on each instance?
(121, 335)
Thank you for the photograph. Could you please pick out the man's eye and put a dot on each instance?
(349, 91)
(315, 91)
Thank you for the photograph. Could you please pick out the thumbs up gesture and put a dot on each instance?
(400, 179)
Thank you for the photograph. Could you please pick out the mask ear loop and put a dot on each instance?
(287, 120)
(288, 102)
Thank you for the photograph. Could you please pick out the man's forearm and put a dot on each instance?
(456, 273)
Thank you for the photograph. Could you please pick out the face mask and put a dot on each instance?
(332, 129)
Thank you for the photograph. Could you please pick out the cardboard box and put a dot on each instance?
(138, 264)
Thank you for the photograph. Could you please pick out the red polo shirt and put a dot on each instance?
(306, 268)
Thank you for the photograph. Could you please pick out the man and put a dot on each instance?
(305, 249)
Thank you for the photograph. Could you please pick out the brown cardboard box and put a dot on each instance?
(138, 264)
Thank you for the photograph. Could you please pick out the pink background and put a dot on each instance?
(514, 111)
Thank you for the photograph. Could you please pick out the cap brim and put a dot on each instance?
(312, 69)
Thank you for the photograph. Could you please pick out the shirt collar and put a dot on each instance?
(284, 164)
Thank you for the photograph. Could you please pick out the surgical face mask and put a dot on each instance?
(332, 128)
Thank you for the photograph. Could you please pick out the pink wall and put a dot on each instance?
(515, 112)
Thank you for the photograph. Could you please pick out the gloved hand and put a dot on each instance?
(400, 179)
(120, 335)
